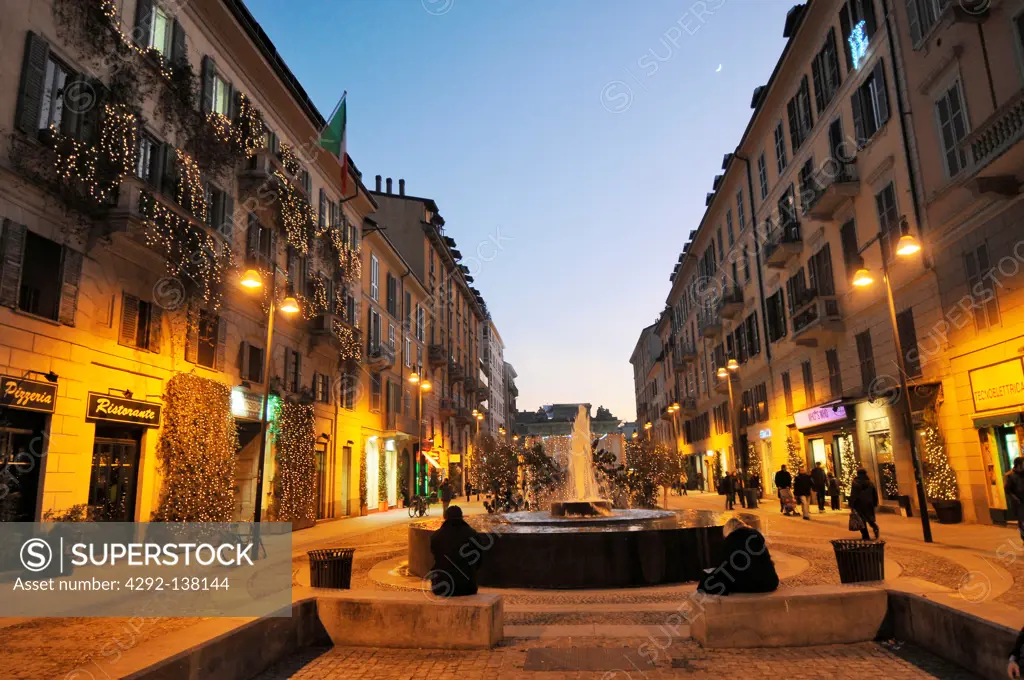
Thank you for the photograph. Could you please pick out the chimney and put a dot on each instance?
(389, 184)
(378, 183)
(401, 187)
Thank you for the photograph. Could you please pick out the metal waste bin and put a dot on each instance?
(751, 495)
(331, 568)
(860, 561)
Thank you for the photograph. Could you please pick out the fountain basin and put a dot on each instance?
(591, 508)
(629, 548)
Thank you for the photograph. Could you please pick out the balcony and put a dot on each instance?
(816, 320)
(335, 332)
(446, 407)
(381, 356)
(993, 149)
(136, 203)
(731, 302)
(437, 356)
(685, 354)
(687, 407)
(455, 373)
(709, 323)
(721, 385)
(463, 416)
(471, 384)
(391, 420)
(783, 244)
(485, 367)
(831, 187)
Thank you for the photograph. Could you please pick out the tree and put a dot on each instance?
(648, 468)
(542, 476)
(603, 414)
(793, 455)
(496, 472)
(939, 478)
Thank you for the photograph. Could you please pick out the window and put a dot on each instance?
(848, 238)
(146, 167)
(808, 376)
(799, 113)
(349, 388)
(292, 370)
(40, 291)
(825, 72)
(753, 335)
(780, 151)
(856, 15)
(776, 316)
(797, 292)
(819, 272)
(888, 220)
(980, 288)
(391, 336)
(421, 318)
(808, 184)
(762, 175)
(741, 218)
(787, 208)
(140, 323)
(322, 388)
(259, 243)
(208, 338)
(949, 112)
(221, 96)
(374, 278)
(375, 392)
(728, 227)
(922, 15)
(866, 357)
(252, 361)
(870, 104)
(908, 340)
(408, 352)
(787, 392)
(746, 265)
(160, 31)
(721, 246)
(51, 112)
(392, 295)
(835, 378)
(373, 334)
(218, 97)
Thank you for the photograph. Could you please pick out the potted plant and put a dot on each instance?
(940, 479)
(363, 494)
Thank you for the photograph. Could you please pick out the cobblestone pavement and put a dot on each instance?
(680, 659)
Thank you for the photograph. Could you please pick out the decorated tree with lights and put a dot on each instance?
(542, 475)
(753, 459)
(197, 448)
(939, 478)
(793, 455)
(295, 463)
(496, 472)
(848, 461)
(648, 468)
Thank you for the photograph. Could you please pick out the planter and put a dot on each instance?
(382, 506)
(363, 510)
(948, 512)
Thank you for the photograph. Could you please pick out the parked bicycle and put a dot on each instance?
(419, 506)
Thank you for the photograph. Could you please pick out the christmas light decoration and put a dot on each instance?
(289, 160)
(295, 214)
(858, 42)
(119, 140)
(364, 492)
(351, 347)
(939, 478)
(794, 456)
(382, 477)
(249, 128)
(197, 448)
(753, 459)
(848, 461)
(191, 191)
(294, 497)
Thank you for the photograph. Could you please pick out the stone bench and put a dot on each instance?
(814, 615)
(374, 618)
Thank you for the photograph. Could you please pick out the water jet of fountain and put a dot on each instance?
(581, 485)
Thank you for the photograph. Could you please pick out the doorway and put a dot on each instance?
(818, 453)
(324, 491)
(115, 474)
(1007, 444)
(372, 474)
(346, 476)
(246, 469)
(21, 452)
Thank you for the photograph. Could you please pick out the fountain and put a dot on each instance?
(582, 542)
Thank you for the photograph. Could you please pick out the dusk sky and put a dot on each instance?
(581, 136)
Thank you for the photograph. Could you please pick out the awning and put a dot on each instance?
(1011, 417)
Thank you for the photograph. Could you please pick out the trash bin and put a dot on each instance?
(331, 568)
(751, 495)
(860, 560)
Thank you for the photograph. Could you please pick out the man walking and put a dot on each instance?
(864, 500)
(783, 480)
(818, 481)
(741, 488)
(802, 489)
(1014, 487)
(729, 489)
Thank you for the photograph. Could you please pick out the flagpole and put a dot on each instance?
(337, 106)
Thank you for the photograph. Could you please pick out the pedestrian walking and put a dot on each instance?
(682, 483)
(447, 493)
(833, 490)
(1014, 487)
(802, 489)
(819, 482)
(783, 480)
(863, 501)
(729, 489)
(755, 484)
(700, 482)
(741, 488)
(469, 490)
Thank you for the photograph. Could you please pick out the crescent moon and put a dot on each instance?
(718, 69)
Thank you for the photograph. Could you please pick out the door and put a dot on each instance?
(1009, 447)
(19, 474)
(346, 476)
(115, 470)
(323, 486)
(885, 460)
(818, 453)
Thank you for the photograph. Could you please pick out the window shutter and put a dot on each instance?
(179, 53)
(143, 23)
(867, 12)
(858, 117)
(243, 359)
(804, 103)
(322, 216)
(227, 217)
(33, 75)
(192, 339)
(129, 320)
(70, 279)
(845, 28)
(72, 112)
(156, 316)
(252, 239)
(817, 76)
(881, 93)
(794, 124)
(222, 343)
(914, 20)
(12, 253)
(168, 175)
(209, 71)
(89, 120)
(832, 62)
(234, 103)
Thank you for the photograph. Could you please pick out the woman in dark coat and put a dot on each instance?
(747, 566)
(455, 559)
(833, 491)
(864, 499)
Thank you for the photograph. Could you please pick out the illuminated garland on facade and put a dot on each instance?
(295, 213)
(248, 127)
(382, 477)
(295, 463)
(364, 493)
(793, 456)
(848, 460)
(191, 192)
(119, 139)
(197, 448)
(753, 459)
(351, 347)
(289, 160)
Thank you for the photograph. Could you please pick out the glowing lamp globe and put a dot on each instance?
(863, 278)
(251, 279)
(290, 305)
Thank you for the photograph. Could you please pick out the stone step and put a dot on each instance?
(597, 630)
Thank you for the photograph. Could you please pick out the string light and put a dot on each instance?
(295, 213)
(295, 462)
(289, 160)
(351, 347)
(364, 493)
(197, 447)
(191, 192)
(249, 129)
(940, 480)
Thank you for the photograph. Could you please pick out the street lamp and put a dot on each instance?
(724, 372)
(252, 280)
(422, 386)
(647, 427)
(905, 247)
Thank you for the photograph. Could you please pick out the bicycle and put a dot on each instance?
(418, 507)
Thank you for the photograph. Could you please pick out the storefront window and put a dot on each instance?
(881, 446)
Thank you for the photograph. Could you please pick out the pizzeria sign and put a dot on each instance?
(108, 408)
(27, 395)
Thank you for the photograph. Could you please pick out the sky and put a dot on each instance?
(569, 145)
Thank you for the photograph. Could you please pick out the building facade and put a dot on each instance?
(492, 365)
(511, 395)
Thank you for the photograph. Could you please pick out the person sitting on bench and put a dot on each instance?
(746, 567)
(455, 559)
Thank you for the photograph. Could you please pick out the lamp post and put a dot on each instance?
(647, 429)
(252, 280)
(726, 372)
(421, 387)
(906, 247)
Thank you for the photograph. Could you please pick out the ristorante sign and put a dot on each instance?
(27, 395)
(119, 410)
(998, 386)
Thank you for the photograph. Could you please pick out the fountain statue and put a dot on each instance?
(583, 497)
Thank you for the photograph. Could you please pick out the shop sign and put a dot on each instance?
(455, 458)
(998, 386)
(27, 395)
(821, 415)
(765, 434)
(245, 404)
(108, 408)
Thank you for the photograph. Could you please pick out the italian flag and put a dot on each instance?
(333, 139)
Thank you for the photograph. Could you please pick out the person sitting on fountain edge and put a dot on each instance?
(746, 566)
(453, 574)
